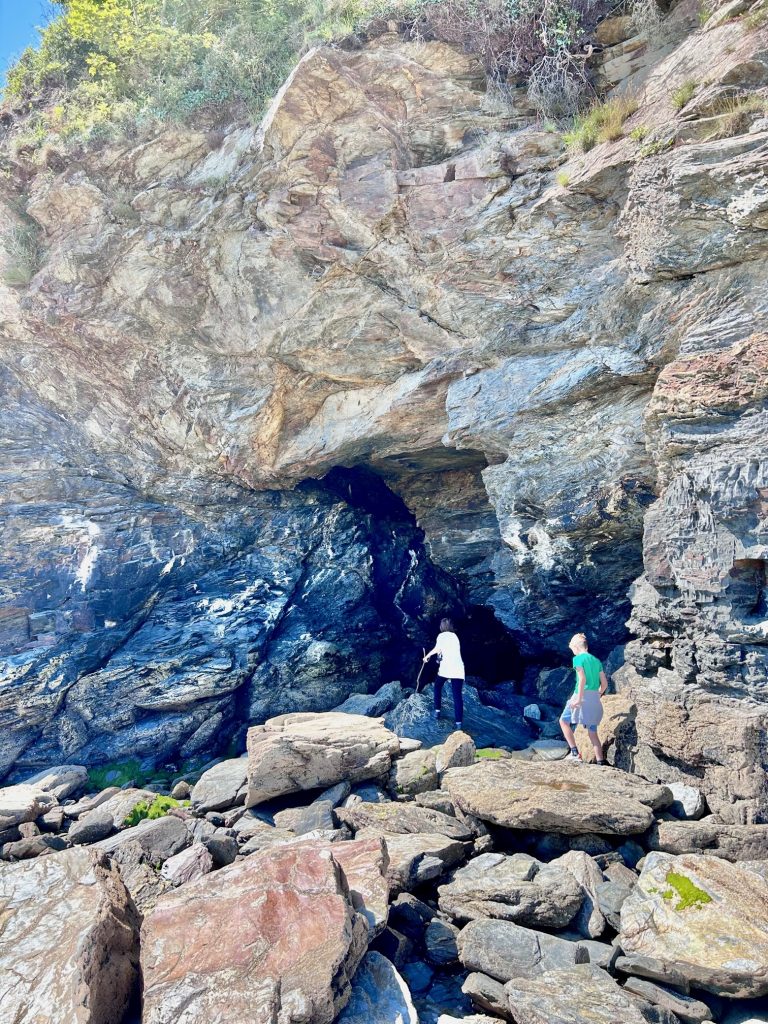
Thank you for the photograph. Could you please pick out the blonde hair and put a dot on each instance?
(579, 640)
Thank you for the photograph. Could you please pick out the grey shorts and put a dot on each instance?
(590, 713)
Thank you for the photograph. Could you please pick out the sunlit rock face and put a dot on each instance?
(391, 272)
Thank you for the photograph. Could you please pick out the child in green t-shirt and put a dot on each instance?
(584, 706)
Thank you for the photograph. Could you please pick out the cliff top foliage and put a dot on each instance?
(105, 68)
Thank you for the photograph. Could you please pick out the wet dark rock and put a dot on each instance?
(222, 848)
(410, 915)
(440, 943)
(35, 846)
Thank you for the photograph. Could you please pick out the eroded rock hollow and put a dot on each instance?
(279, 396)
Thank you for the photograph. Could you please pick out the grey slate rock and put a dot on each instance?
(487, 994)
(655, 970)
(222, 848)
(687, 1009)
(610, 898)
(410, 916)
(160, 838)
(91, 830)
(505, 950)
(440, 942)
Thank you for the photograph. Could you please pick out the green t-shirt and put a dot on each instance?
(592, 668)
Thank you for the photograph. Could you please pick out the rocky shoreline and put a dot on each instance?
(341, 872)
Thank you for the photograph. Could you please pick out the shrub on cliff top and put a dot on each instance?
(104, 67)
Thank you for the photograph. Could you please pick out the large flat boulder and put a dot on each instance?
(308, 751)
(512, 889)
(581, 994)
(159, 838)
(402, 818)
(274, 937)
(63, 780)
(365, 863)
(709, 835)
(568, 798)
(504, 950)
(69, 942)
(704, 917)
(23, 803)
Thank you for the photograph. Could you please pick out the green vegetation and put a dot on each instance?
(603, 123)
(23, 249)
(737, 115)
(110, 68)
(683, 95)
(757, 19)
(490, 753)
(689, 895)
(120, 773)
(639, 134)
(157, 809)
(654, 148)
(563, 179)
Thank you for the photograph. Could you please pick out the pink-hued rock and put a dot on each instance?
(69, 940)
(272, 938)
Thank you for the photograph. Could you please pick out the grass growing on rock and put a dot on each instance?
(689, 894)
(490, 753)
(737, 116)
(603, 123)
(683, 95)
(158, 808)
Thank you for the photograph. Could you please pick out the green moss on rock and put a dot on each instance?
(689, 894)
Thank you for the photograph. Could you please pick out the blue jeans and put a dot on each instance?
(458, 697)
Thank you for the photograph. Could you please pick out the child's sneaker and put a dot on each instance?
(575, 755)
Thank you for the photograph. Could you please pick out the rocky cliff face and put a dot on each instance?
(555, 361)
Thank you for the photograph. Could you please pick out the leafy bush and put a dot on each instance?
(107, 67)
(639, 133)
(683, 95)
(563, 179)
(150, 811)
(603, 123)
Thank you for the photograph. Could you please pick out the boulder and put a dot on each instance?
(88, 803)
(69, 943)
(437, 800)
(564, 797)
(397, 948)
(496, 886)
(603, 954)
(306, 751)
(415, 858)
(458, 751)
(440, 943)
(222, 847)
(287, 942)
(223, 785)
(334, 795)
(33, 846)
(486, 993)
(119, 805)
(365, 864)
(615, 729)
(688, 802)
(410, 916)
(504, 950)
(160, 838)
(182, 790)
(379, 994)
(62, 781)
(685, 1008)
(610, 899)
(23, 803)
(548, 749)
(414, 773)
(579, 994)
(265, 838)
(372, 704)
(91, 828)
(186, 866)
(413, 718)
(589, 921)
(140, 878)
(401, 818)
(300, 820)
(642, 966)
(711, 836)
(704, 916)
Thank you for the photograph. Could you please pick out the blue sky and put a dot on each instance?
(18, 19)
